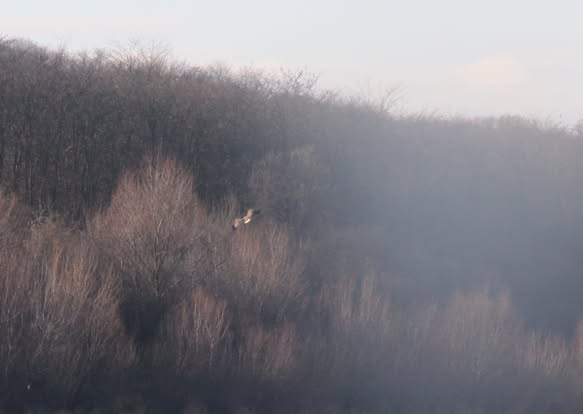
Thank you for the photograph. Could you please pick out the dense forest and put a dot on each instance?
(401, 263)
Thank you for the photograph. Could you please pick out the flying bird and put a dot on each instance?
(246, 219)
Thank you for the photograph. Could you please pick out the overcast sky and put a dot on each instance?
(470, 57)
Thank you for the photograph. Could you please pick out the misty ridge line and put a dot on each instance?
(359, 285)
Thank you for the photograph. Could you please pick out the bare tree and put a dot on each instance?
(153, 224)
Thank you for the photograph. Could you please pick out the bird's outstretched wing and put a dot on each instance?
(249, 214)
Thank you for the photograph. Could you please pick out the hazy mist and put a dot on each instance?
(403, 261)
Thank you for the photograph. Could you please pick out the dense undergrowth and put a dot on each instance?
(401, 264)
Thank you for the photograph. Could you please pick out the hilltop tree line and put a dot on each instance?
(395, 255)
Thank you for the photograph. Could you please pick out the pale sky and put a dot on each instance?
(468, 57)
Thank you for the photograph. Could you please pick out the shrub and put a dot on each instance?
(195, 336)
(153, 224)
(266, 270)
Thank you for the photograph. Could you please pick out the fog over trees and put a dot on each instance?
(400, 263)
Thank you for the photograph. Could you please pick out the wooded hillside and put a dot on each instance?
(400, 263)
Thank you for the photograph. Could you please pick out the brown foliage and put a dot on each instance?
(58, 314)
(73, 329)
(268, 354)
(195, 335)
(153, 221)
(205, 305)
(149, 233)
(266, 273)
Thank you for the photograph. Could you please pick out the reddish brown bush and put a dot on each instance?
(206, 305)
(73, 331)
(195, 335)
(268, 354)
(150, 232)
(59, 327)
(266, 270)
